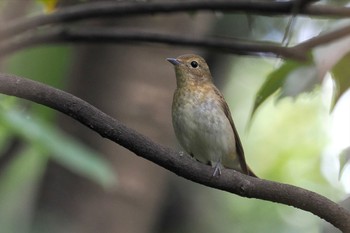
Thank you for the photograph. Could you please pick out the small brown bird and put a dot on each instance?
(201, 118)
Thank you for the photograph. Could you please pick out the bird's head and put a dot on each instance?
(190, 68)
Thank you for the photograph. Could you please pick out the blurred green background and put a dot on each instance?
(57, 176)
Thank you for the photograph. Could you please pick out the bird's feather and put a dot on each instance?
(239, 147)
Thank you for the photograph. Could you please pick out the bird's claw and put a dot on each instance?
(217, 169)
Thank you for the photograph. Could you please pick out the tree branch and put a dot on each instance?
(111, 35)
(182, 165)
(107, 9)
(118, 9)
(323, 39)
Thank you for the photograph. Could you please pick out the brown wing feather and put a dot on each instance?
(239, 147)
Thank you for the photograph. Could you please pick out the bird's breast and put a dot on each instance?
(201, 125)
(196, 107)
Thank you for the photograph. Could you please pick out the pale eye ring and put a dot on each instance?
(194, 64)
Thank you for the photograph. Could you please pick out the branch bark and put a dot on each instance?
(182, 165)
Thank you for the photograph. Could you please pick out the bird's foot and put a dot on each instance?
(217, 168)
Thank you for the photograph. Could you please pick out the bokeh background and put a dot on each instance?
(58, 176)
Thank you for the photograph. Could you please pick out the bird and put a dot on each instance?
(201, 118)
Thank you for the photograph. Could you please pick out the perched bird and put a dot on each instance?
(201, 118)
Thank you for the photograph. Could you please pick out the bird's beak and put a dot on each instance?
(173, 61)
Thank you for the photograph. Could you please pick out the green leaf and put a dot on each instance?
(341, 77)
(300, 80)
(344, 158)
(292, 77)
(274, 82)
(62, 147)
(18, 186)
(5, 133)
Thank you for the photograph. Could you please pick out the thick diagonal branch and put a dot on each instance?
(182, 165)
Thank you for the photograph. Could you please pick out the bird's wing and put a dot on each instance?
(239, 147)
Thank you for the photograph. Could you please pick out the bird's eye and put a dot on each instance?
(194, 64)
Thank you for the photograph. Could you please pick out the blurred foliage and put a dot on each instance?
(293, 78)
(19, 184)
(61, 147)
(344, 159)
(341, 76)
(50, 65)
(36, 127)
(49, 5)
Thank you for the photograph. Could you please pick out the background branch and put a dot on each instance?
(324, 38)
(112, 35)
(117, 9)
(179, 164)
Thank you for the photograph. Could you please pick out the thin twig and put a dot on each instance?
(297, 6)
(182, 165)
(291, 22)
(324, 39)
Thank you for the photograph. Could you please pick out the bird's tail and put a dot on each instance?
(251, 173)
